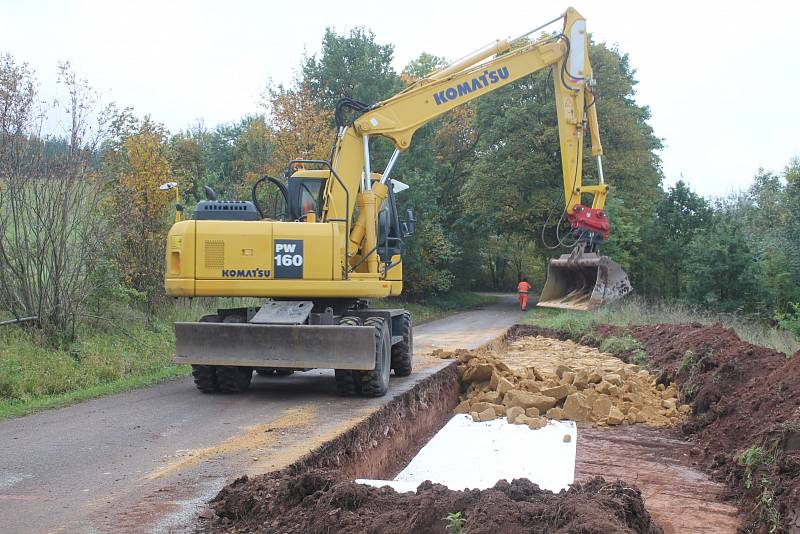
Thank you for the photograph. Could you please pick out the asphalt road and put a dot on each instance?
(148, 460)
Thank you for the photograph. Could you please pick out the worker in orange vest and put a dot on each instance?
(523, 288)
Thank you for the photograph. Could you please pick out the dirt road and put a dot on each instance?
(148, 460)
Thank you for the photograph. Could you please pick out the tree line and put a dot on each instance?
(83, 223)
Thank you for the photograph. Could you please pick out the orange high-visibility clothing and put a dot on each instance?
(523, 288)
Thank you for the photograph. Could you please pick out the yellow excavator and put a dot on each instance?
(331, 237)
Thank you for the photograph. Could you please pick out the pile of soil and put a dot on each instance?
(532, 378)
(745, 416)
(316, 502)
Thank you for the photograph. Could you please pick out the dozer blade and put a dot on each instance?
(583, 282)
(276, 346)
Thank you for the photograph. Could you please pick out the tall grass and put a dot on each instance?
(124, 347)
(636, 311)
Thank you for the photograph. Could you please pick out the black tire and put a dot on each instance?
(403, 352)
(346, 383)
(375, 383)
(205, 378)
(233, 379)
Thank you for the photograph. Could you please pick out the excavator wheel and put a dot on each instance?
(233, 379)
(375, 383)
(403, 352)
(205, 376)
(346, 383)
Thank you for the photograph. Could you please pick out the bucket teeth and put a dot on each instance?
(583, 282)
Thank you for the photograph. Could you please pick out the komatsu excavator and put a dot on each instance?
(334, 238)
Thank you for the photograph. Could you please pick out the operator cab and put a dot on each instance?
(302, 192)
(305, 196)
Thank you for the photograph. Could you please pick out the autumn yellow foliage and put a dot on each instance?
(300, 128)
(141, 211)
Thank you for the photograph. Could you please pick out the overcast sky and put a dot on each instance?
(720, 78)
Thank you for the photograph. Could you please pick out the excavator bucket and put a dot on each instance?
(583, 281)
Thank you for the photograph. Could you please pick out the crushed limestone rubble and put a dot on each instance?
(533, 378)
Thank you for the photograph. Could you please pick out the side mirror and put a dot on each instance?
(179, 207)
(210, 193)
(410, 224)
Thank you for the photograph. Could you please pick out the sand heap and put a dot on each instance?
(570, 382)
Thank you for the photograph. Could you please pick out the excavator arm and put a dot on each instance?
(489, 69)
(580, 280)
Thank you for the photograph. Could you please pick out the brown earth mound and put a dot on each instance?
(745, 412)
(315, 502)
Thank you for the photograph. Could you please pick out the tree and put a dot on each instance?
(50, 221)
(422, 66)
(138, 207)
(429, 251)
(254, 149)
(722, 271)
(301, 128)
(681, 214)
(769, 220)
(353, 65)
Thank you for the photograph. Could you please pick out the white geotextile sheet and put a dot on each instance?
(465, 454)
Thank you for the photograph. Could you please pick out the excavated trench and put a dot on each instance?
(628, 477)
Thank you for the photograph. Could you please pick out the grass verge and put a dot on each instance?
(634, 311)
(18, 408)
(127, 349)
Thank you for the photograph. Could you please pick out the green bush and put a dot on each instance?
(751, 460)
(625, 347)
(790, 320)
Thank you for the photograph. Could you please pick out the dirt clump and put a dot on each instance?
(531, 379)
(316, 502)
(745, 415)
